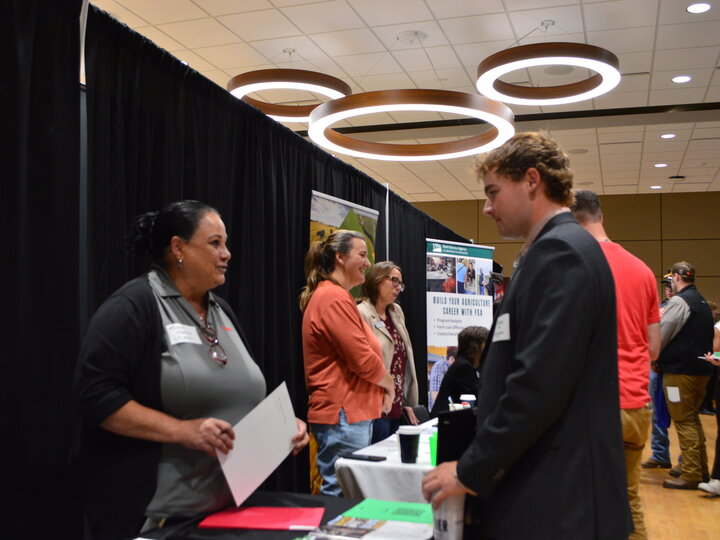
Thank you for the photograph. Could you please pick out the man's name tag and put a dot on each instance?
(182, 333)
(502, 328)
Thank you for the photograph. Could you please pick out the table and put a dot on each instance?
(334, 506)
(389, 480)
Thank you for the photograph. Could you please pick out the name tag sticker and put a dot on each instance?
(673, 394)
(380, 324)
(502, 328)
(182, 333)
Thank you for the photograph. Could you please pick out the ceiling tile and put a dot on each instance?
(324, 17)
(467, 29)
(226, 7)
(624, 41)
(218, 77)
(618, 13)
(699, 34)
(704, 144)
(568, 20)
(257, 25)
(160, 38)
(164, 11)
(441, 79)
(703, 132)
(382, 12)
(517, 5)
(673, 11)
(680, 59)
(669, 97)
(712, 95)
(199, 33)
(471, 54)
(633, 83)
(360, 65)
(689, 188)
(273, 49)
(620, 190)
(621, 137)
(349, 42)
(635, 62)
(662, 80)
(237, 55)
(386, 82)
(194, 61)
(413, 59)
(619, 100)
(392, 36)
(442, 9)
(120, 13)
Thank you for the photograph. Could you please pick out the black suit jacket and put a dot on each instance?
(547, 460)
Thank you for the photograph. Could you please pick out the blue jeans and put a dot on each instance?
(383, 428)
(332, 439)
(659, 442)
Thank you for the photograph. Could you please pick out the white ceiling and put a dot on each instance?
(357, 41)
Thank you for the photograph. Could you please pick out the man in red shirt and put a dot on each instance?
(638, 342)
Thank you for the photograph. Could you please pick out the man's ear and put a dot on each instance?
(532, 176)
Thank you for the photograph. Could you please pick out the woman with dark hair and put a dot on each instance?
(344, 371)
(462, 377)
(164, 374)
(383, 284)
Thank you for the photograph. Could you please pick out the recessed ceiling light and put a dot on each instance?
(667, 136)
(655, 187)
(661, 165)
(699, 7)
(680, 79)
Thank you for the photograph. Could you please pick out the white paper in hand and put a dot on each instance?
(262, 442)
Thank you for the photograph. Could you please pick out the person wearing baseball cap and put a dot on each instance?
(686, 333)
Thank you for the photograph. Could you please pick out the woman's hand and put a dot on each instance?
(710, 357)
(301, 438)
(207, 435)
(411, 416)
(387, 402)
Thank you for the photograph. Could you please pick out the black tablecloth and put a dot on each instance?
(189, 530)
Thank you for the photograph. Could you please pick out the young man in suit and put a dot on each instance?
(547, 459)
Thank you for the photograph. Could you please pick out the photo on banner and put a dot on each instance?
(458, 292)
(327, 215)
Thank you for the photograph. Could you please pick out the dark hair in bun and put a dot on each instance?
(150, 233)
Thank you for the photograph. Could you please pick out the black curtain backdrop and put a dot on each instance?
(158, 132)
(40, 110)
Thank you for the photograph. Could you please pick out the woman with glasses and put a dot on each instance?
(164, 374)
(348, 386)
(383, 284)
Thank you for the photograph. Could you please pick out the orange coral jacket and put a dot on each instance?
(343, 359)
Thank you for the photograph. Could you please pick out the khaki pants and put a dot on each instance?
(684, 414)
(635, 427)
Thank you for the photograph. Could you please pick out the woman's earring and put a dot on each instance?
(179, 263)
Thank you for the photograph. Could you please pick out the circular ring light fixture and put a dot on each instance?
(603, 62)
(295, 79)
(327, 114)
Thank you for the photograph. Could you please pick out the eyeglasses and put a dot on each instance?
(217, 353)
(397, 283)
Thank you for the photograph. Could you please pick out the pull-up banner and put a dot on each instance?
(458, 295)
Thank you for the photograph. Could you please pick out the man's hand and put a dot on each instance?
(710, 357)
(442, 482)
